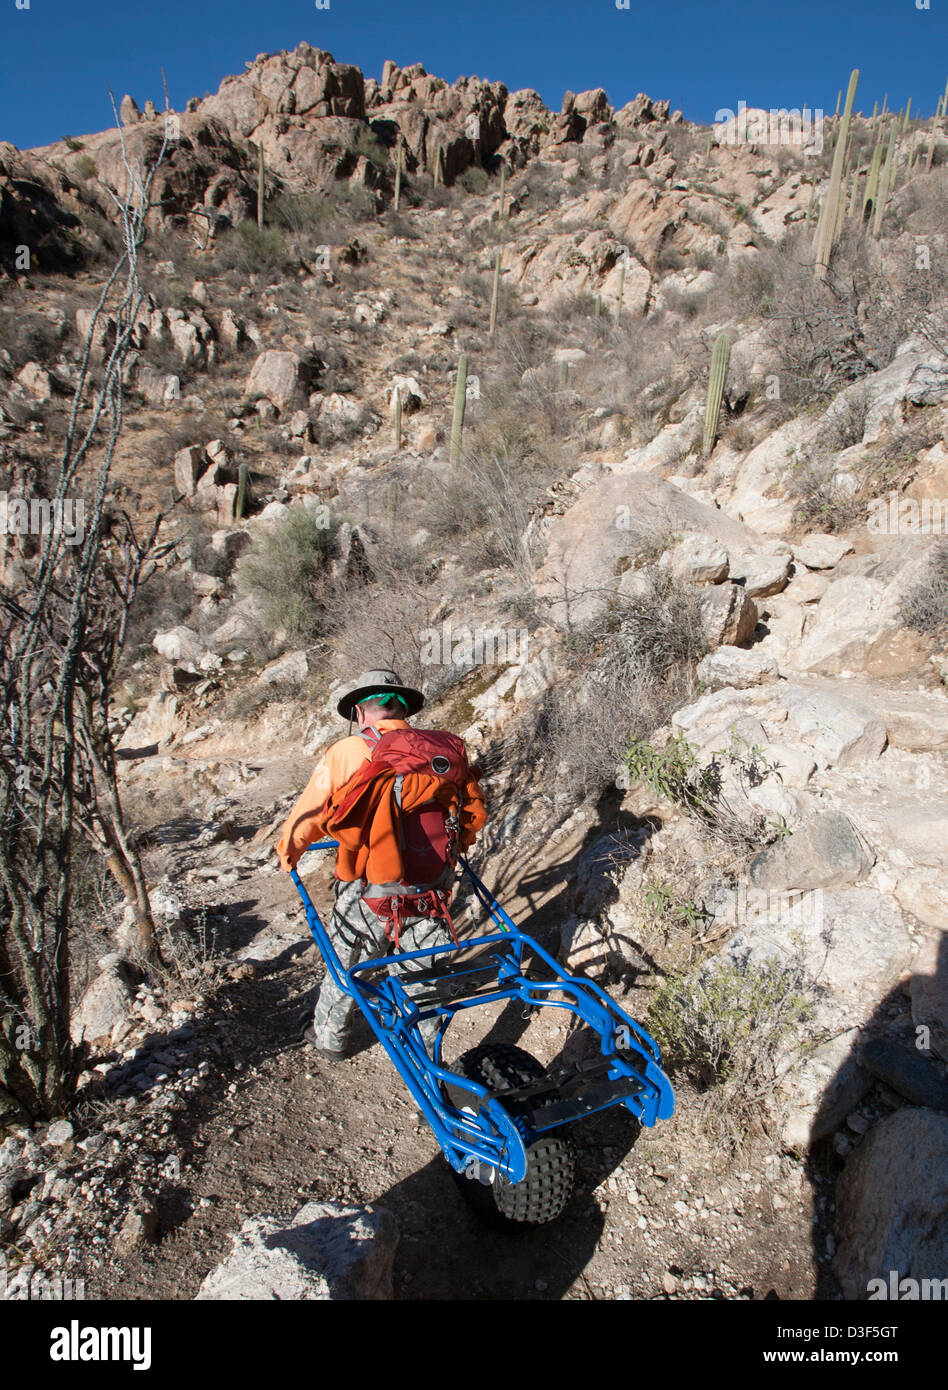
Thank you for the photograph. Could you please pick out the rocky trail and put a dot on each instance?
(568, 431)
(266, 1124)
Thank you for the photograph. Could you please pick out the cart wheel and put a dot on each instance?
(547, 1186)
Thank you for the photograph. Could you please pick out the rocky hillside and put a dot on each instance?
(698, 641)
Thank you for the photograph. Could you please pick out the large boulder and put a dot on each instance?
(853, 616)
(179, 644)
(843, 732)
(761, 574)
(325, 1252)
(892, 1207)
(916, 720)
(736, 668)
(613, 522)
(291, 668)
(189, 464)
(106, 1004)
(911, 828)
(277, 376)
(819, 551)
(730, 617)
(825, 852)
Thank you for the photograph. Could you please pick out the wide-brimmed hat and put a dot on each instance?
(378, 683)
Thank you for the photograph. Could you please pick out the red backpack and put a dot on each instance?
(427, 836)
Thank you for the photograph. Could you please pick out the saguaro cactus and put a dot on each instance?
(398, 175)
(826, 231)
(242, 499)
(872, 182)
(621, 292)
(931, 143)
(260, 193)
(460, 401)
(495, 296)
(719, 359)
(885, 180)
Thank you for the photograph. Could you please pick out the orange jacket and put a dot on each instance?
(314, 815)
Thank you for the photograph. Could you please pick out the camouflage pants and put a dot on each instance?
(358, 934)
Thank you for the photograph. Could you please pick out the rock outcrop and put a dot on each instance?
(325, 1252)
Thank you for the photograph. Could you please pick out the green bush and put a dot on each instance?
(250, 249)
(327, 216)
(675, 774)
(474, 180)
(285, 570)
(734, 1024)
(368, 146)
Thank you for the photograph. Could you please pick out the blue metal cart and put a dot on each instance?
(499, 1119)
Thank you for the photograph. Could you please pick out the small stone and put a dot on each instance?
(93, 1143)
(59, 1132)
(139, 1226)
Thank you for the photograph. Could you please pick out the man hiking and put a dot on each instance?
(402, 803)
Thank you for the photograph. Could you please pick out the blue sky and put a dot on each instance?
(58, 57)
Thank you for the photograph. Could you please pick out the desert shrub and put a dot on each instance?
(637, 665)
(191, 952)
(674, 773)
(925, 607)
(711, 215)
(734, 1027)
(828, 500)
(668, 258)
(28, 337)
(845, 425)
(420, 190)
(164, 601)
(511, 452)
(825, 335)
(474, 180)
(822, 504)
(651, 365)
(541, 188)
(367, 145)
(285, 570)
(249, 249)
(684, 302)
(684, 143)
(661, 626)
(384, 623)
